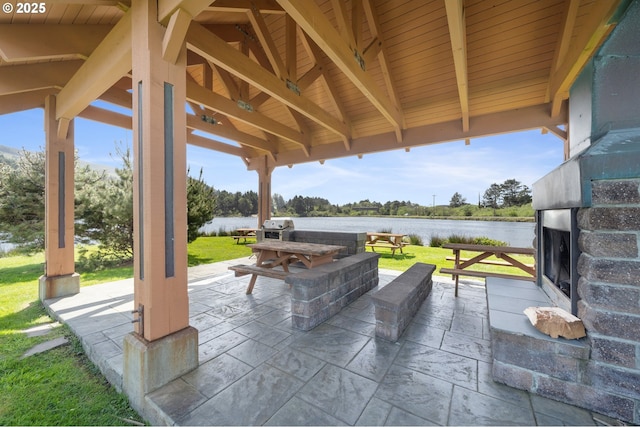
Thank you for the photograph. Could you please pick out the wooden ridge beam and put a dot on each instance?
(216, 50)
(534, 117)
(107, 64)
(458, 36)
(313, 22)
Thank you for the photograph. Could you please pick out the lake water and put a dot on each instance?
(514, 233)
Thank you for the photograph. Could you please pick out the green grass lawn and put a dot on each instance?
(61, 386)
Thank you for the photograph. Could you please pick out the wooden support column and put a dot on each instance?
(264, 192)
(59, 277)
(163, 346)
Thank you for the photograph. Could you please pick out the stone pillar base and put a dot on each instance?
(58, 286)
(148, 365)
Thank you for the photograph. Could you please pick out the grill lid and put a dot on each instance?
(278, 224)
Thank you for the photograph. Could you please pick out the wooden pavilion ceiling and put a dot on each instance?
(292, 81)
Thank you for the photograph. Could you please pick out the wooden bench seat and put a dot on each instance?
(397, 303)
(255, 271)
(485, 274)
(386, 245)
(487, 262)
(248, 236)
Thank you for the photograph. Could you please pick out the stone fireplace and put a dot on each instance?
(587, 240)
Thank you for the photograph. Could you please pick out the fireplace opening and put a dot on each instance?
(557, 259)
(558, 256)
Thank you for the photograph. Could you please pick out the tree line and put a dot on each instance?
(103, 206)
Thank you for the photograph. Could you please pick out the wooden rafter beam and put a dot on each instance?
(107, 64)
(118, 97)
(557, 132)
(43, 75)
(568, 24)
(24, 42)
(24, 101)
(216, 50)
(201, 141)
(458, 36)
(166, 8)
(342, 19)
(315, 53)
(215, 102)
(310, 18)
(595, 28)
(265, 6)
(232, 134)
(105, 116)
(174, 36)
(533, 117)
(264, 35)
(383, 57)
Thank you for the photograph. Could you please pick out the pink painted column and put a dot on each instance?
(163, 346)
(59, 277)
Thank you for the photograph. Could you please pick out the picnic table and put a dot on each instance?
(276, 253)
(385, 240)
(485, 251)
(244, 233)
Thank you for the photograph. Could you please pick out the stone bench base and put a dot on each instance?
(319, 293)
(397, 302)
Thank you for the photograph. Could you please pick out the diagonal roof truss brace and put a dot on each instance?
(313, 22)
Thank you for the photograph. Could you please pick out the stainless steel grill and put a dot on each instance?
(275, 229)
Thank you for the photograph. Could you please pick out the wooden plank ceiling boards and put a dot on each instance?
(297, 81)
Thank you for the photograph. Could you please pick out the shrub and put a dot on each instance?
(414, 239)
(437, 241)
(488, 241)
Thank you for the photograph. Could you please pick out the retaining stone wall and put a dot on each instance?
(606, 379)
(398, 302)
(319, 293)
(353, 241)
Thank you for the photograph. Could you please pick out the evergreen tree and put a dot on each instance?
(200, 205)
(457, 200)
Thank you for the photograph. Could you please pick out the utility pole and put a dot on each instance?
(434, 200)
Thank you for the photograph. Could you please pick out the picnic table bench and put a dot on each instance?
(485, 251)
(272, 254)
(385, 240)
(244, 233)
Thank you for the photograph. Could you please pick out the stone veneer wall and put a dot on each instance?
(602, 375)
(354, 242)
(319, 293)
(609, 288)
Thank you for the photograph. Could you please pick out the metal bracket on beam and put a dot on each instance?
(210, 120)
(245, 106)
(359, 59)
(293, 87)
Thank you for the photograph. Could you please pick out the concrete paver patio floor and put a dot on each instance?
(255, 369)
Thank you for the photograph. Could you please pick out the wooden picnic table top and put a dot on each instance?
(489, 248)
(312, 249)
(374, 233)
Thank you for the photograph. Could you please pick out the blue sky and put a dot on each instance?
(440, 169)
